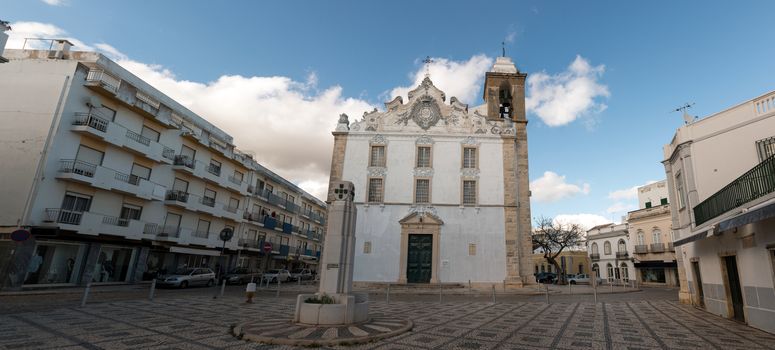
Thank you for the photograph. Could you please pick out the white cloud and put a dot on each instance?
(23, 30)
(586, 221)
(55, 2)
(620, 207)
(285, 123)
(627, 193)
(457, 79)
(552, 187)
(511, 36)
(564, 97)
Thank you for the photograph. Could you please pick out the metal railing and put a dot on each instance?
(175, 195)
(235, 180)
(104, 79)
(594, 256)
(620, 255)
(112, 220)
(79, 167)
(184, 161)
(230, 209)
(168, 153)
(130, 179)
(151, 229)
(641, 249)
(63, 216)
(670, 247)
(200, 234)
(138, 138)
(657, 247)
(91, 120)
(755, 183)
(169, 231)
(249, 243)
(214, 169)
(210, 202)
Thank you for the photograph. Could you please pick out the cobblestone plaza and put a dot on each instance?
(199, 322)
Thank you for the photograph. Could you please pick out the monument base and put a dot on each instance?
(348, 309)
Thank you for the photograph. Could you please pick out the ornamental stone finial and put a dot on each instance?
(344, 119)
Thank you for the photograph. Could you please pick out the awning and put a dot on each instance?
(748, 217)
(697, 236)
(194, 251)
(656, 264)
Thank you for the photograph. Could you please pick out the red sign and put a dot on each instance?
(267, 247)
(20, 235)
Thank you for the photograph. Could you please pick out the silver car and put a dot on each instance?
(275, 275)
(185, 277)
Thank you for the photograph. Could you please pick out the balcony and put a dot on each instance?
(657, 247)
(594, 256)
(754, 184)
(230, 209)
(89, 223)
(237, 185)
(151, 229)
(622, 255)
(670, 247)
(249, 243)
(284, 250)
(184, 163)
(108, 179)
(641, 249)
(102, 81)
(214, 169)
(200, 234)
(169, 232)
(269, 222)
(94, 125)
(207, 201)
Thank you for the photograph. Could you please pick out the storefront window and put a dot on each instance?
(655, 275)
(55, 263)
(112, 264)
(158, 264)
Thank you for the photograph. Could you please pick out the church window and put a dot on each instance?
(472, 249)
(375, 190)
(367, 247)
(607, 248)
(469, 158)
(377, 156)
(423, 157)
(469, 192)
(422, 189)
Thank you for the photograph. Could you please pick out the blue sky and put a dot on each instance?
(335, 56)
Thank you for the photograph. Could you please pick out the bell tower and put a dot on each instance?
(504, 91)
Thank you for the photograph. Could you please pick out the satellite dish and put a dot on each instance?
(94, 102)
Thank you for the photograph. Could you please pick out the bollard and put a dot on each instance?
(387, 295)
(611, 283)
(299, 280)
(594, 285)
(85, 294)
(504, 285)
(153, 290)
(439, 292)
(223, 287)
(493, 294)
(277, 294)
(546, 289)
(570, 288)
(469, 285)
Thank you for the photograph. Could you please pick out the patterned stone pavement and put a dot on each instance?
(202, 323)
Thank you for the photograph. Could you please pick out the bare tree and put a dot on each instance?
(552, 238)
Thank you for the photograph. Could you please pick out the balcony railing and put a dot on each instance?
(63, 216)
(200, 234)
(184, 161)
(620, 255)
(79, 167)
(91, 120)
(214, 169)
(130, 179)
(251, 189)
(104, 79)
(594, 256)
(230, 209)
(170, 231)
(112, 220)
(210, 202)
(179, 196)
(670, 247)
(168, 153)
(755, 183)
(641, 249)
(138, 138)
(249, 243)
(657, 247)
(151, 229)
(235, 180)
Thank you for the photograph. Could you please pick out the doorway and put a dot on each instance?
(419, 259)
(735, 293)
(698, 282)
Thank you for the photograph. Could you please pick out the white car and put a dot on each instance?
(277, 275)
(582, 278)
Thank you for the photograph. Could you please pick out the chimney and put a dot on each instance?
(3, 39)
(60, 49)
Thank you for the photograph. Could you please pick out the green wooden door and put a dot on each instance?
(419, 259)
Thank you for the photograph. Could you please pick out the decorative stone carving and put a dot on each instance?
(470, 141)
(468, 173)
(378, 140)
(424, 140)
(424, 172)
(343, 124)
(424, 210)
(424, 113)
(377, 171)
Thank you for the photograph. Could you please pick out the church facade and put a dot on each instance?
(441, 189)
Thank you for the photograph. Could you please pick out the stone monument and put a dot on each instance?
(335, 303)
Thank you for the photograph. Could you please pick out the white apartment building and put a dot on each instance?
(117, 182)
(721, 177)
(441, 189)
(651, 238)
(607, 248)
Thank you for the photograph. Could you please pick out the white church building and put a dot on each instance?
(441, 189)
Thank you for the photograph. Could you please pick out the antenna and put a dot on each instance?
(688, 119)
(503, 46)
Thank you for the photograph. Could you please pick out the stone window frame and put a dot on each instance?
(430, 189)
(417, 157)
(384, 155)
(463, 156)
(641, 237)
(367, 247)
(621, 243)
(381, 189)
(462, 192)
(472, 249)
(656, 235)
(607, 248)
(595, 249)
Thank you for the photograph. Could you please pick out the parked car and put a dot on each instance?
(301, 274)
(185, 277)
(275, 275)
(582, 278)
(546, 277)
(242, 275)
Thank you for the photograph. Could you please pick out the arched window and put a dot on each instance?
(504, 100)
(536, 268)
(596, 268)
(622, 246)
(656, 236)
(607, 248)
(594, 249)
(641, 238)
(610, 269)
(543, 268)
(625, 273)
